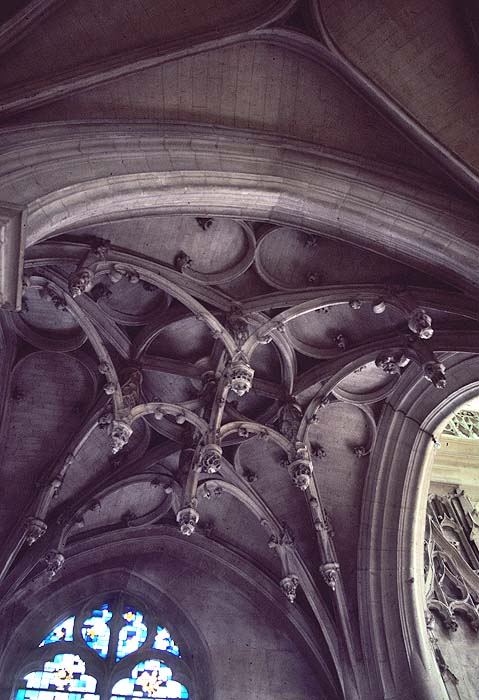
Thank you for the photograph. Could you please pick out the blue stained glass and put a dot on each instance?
(61, 633)
(95, 630)
(53, 695)
(64, 678)
(149, 679)
(132, 635)
(163, 642)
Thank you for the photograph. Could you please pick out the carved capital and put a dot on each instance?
(330, 574)
(188, 519)
(120, 432)
(34, 529)
(240, 375)
(289, 584)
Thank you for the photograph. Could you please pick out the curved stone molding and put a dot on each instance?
(366, 384)
(392, 532)
(187, 266)
(277, 196)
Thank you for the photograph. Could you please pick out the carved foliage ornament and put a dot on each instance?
(34, 529)
(301, 468)
(240, 375)
(188, 519)
(289, 584)
(330, 574)
(420, 323)
(119, 432)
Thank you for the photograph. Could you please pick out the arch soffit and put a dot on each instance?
(184, 170)
(390, 587)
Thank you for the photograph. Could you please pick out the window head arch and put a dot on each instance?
(111, 639)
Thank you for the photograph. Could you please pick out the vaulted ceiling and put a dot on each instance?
(291, 186)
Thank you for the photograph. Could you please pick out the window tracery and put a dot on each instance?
(132, 651)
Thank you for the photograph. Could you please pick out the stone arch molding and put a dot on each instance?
(70, 175)
(391, 581)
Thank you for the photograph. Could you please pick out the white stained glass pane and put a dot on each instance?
(149, 679)
(164, 642)
(64, 678)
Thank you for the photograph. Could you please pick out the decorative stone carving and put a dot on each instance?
(80, 282)
(391, 361)
(158, 414)
(204, 223)
(355, 304)
(319, 452)
(119, 272)
(301, 468)
(210, 458)
(105, 420)
(120, 432)
(54, 561)
(289, 419)
(330, 574)
(109, 388)
(340, 341)
(132, 380)
(250, 476)
(451, 561)
(419, 322)
(379, 306)
(183, 261)
(238, 326)
(440, 660)
(435, 372)
(58, 301)
(360, 451)
(188, 519)
(209, 493)
(34, 529)
(464, 424)
(240, 375)
(314, 278)
(100, 247)
(310, 240)
(289, 584)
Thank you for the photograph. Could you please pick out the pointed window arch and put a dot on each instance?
(109, 650)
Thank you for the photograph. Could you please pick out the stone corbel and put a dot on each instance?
(12, 246)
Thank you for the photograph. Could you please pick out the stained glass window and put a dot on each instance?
(114, 631)
(64, 678)
(164, 642)
(133, 634)
(95, 630)
(61, 633)
(149, 679)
